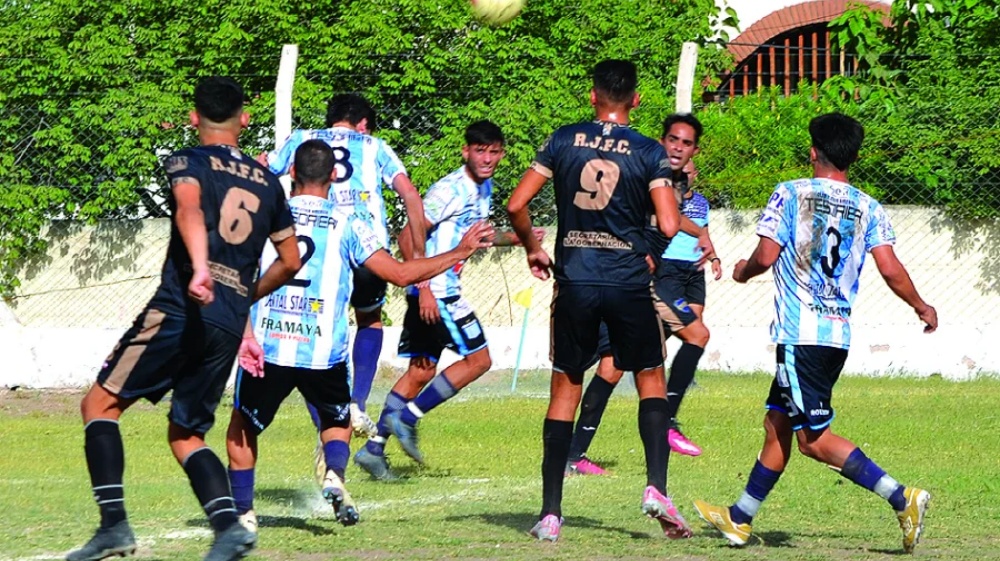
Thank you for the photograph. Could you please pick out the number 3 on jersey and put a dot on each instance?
(831, 258)
(342, 163)
(598, 181)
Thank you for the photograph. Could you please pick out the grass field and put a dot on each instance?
(481, 489)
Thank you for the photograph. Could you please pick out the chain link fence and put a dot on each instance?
(98, 275)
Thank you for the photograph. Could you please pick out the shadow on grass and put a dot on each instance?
(523, 521)
(278, 522)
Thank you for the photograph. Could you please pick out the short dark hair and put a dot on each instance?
(314, 161)
(484, 133)
(837, 139)
(218, 98)
(687, 119)
(615, 80)
(351, 108)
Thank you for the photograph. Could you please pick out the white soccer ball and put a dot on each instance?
(496, 12)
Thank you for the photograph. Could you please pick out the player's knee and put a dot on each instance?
(480, 362)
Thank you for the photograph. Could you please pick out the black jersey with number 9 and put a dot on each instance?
(244, 205)
(602, 173)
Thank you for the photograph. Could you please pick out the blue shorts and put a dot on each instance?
(803, 384)
(458, 330)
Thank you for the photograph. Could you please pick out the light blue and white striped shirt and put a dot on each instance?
(825, 228)
(452, 206)
(303, 324)
(363, 163)
(684, 247)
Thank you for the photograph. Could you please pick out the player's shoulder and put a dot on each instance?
(456, 182)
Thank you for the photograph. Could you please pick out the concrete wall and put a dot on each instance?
(77, 300)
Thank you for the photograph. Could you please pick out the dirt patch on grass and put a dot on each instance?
(39, 403)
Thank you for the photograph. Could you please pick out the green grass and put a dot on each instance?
(481, 490)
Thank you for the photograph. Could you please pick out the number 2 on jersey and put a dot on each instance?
(598, 181)
(310, 249)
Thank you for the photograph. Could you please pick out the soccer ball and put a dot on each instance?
(496, 12)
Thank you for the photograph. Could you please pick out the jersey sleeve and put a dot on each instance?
(278, 161)
(389, 163)
(544, 161)
(361, 242)
(182, 168)
(442, 202)
(661, 175)
(282, 223)
(777, 222)
(879, 230)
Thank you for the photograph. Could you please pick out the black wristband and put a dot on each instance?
(715, 259)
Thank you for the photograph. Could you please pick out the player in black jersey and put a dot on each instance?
(608, 179)
(224, 207)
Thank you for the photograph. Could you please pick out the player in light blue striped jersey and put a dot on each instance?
(363, 164)
(815, 234)
(437, 317)
(303, 328)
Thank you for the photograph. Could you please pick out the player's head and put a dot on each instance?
(218, 103)
(483, 150)
(313, 165)
(351, 109)
(681, 134)
(614, 84)
(836, 140)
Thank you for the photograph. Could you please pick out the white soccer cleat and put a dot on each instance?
(249, 521)
(362, 424)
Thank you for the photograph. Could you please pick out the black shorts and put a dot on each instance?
(634, 333)
(458, 330)
(368, 292)
(803, 384)
(670, 303)
(683, 278)
(159, 353)
(329, 391)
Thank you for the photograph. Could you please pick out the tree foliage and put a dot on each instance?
(94, 94)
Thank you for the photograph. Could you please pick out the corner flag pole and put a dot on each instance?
(523, 298)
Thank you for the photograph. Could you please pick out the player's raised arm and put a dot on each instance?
(282, 269)
(478, 237)
(190, 220)
(414, 213)
(898, 280)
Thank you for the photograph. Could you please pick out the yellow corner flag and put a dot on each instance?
(524, 297)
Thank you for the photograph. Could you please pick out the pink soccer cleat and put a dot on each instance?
(680, 443)
(584, 466)
(656, 505)
(547, 529)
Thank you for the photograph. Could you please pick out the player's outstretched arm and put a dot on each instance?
(763, 256)
(250, 355)
(414, 213)
(517, 210)
(668, 217)
(509, 238)
(190, 220)
(478, 237)
(282, 269)
(898, 280)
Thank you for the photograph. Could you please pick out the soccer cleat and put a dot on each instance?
(375, 465)
(319, 462)
(584, 466)
(547, 529)
(718, 516)
(249, 521)
(406, 434)
(657, 505)
(911, 518)
(116, 540)
(336, 494)
(363, 425)
(233, 543)
(680, 443)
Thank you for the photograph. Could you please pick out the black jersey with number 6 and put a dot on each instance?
(602, 173)
(244, 205)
